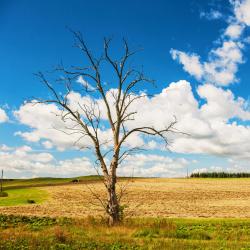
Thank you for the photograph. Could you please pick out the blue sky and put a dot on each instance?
(174, 35)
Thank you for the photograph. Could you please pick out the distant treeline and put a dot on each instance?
(219, 175)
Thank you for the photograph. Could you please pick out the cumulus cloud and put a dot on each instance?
(45, 122)
(234, 31)
(47, 127)
(25, 162)
(191, 62)
(3, 116)
(153, 165)
(242, 11)
(221, 104)
(209, 125)
(221, 66)
(222, 63)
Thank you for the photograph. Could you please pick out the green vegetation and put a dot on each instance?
(219, 175)
(23, 196)
(17, 232)
(50, 181)
(44, 181)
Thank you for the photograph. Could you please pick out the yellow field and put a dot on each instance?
(217, 198)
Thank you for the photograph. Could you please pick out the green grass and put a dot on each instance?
(45, 181)
(18, 232)
(3, 194)
(49, 181)
(21, 196)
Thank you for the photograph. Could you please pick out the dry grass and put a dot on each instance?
(221, 198)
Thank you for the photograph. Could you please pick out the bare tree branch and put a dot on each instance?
(85, 119)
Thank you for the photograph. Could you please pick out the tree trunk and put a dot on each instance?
(113, 208)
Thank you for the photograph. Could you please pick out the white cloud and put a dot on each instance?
(47, 144)
(25, 162)
(242, 11)
(209, 125)
(233, 167)
(45, 122)
(191, 63)
(222, 63)
(3, 116)
(221, 67)
(29, 164)
(151, 165)
(234, 31)
(209, 169)
(221, 104)
(211, 15)
(85, 84)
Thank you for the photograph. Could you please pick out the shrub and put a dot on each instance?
(60, 235)
(3, 194)
(31, 201)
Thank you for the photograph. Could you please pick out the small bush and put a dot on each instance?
(3, 194)
(60, 235)
(31, 201)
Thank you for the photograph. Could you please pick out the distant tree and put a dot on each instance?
(219, 175)
(87, 118)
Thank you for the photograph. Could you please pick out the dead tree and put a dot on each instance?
(87, 119)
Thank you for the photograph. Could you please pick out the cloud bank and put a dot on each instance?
(214, 132)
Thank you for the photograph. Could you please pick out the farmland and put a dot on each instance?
(161, 213)
(184, 198)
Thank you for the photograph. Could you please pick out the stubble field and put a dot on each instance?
(184, 198)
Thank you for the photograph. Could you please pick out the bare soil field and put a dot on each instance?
(190, 198)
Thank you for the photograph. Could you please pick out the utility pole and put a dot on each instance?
(2, 182)
(187, 172)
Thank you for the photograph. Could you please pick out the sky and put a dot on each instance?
(197, 52)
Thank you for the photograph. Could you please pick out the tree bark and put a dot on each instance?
(113, 207)
(113, 203)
